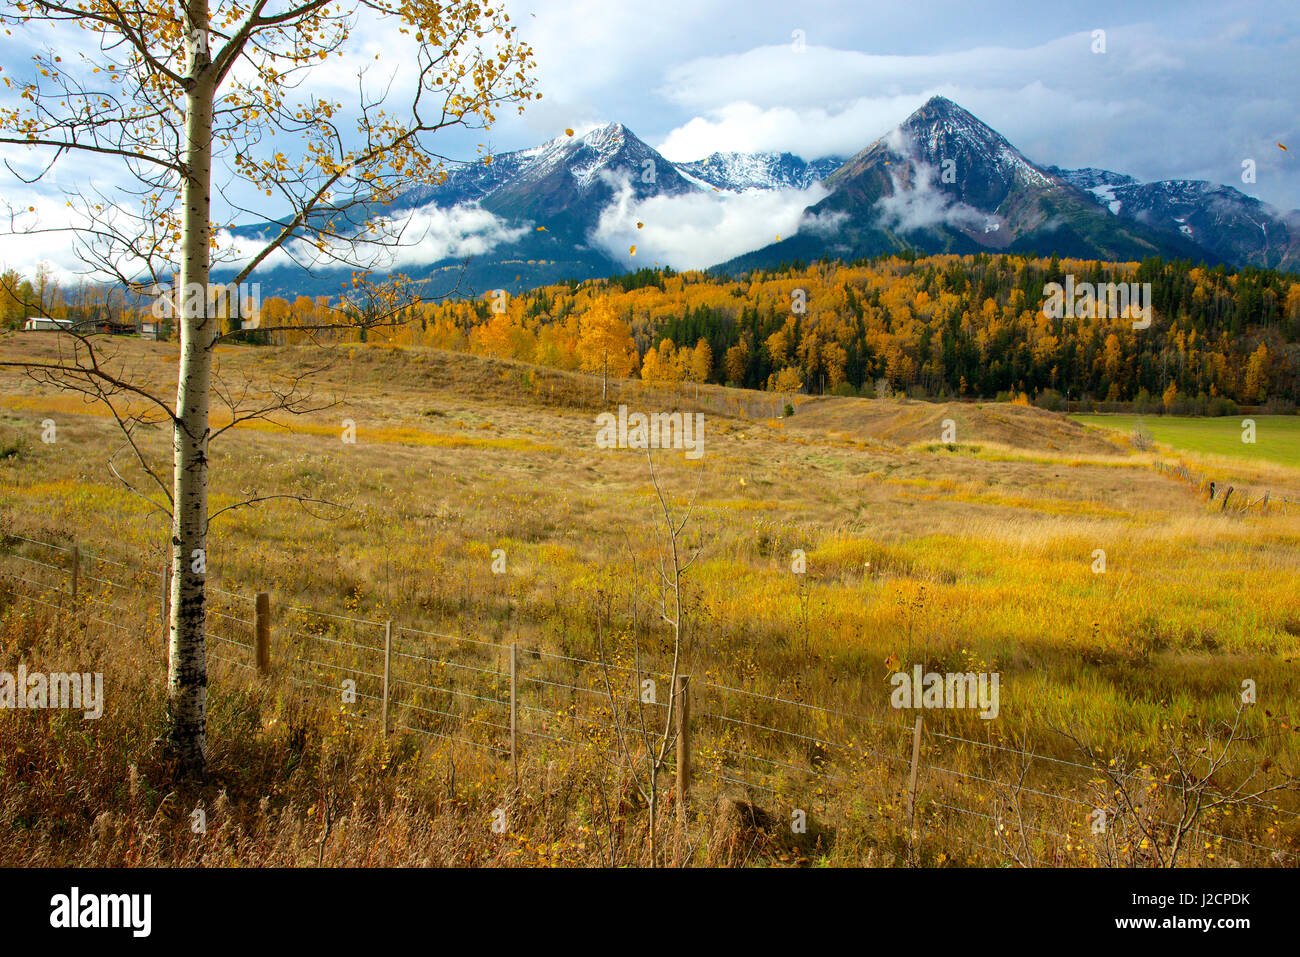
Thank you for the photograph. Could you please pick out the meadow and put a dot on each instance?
(1277, 437)
(1121, 683)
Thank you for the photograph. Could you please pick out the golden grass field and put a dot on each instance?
(975, 555)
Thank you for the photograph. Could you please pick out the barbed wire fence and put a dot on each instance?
(1223, 492)
(932, 789)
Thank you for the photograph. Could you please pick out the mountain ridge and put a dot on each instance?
(942, 181)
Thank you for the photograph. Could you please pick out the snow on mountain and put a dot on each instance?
(1090, 177)
(942, 131)
(740, 171)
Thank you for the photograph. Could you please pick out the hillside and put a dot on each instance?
(960, 327)
(978, 556)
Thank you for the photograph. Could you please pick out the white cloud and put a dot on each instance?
(920, 205)
(698, 229)
(807, 132)
(1056, 100)
(427, 235)
(41, 231)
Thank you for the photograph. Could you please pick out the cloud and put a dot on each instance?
(920, 204)
(1186, 92)
(1178, 97)
(426, 235)
(698, 229)
(823, 224)
(43, 231)
(810, 132)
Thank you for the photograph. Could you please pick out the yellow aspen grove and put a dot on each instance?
(605, 344)
(177, 91)
(701, 361)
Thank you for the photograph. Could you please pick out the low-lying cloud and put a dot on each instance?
(921, 204)
(428, 234)
(699, 229)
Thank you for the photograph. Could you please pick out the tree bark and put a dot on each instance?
(187, 675)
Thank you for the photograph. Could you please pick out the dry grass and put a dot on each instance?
(974, 557)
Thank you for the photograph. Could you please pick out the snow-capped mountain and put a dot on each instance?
(565, 183)
(944, 181)
(573, 177)
(1089, 177)
(941, 181)
(550, 198)
(741, 171)
(1234, 227)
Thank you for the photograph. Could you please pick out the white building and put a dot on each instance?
(46, 324)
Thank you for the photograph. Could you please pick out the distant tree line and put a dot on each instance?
(936, 326)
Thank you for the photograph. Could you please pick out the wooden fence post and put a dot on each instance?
(262, 632)
(76, 570)
(911, 779)
(683, 696)
(1226, 495)
(514, 711)
(388, 665)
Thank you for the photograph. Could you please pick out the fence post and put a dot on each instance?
(911, 778)
(76, 570)
(388, 663)
(683, 696)
(262, 632)
(514, 711)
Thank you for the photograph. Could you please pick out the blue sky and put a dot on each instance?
(1184, 90)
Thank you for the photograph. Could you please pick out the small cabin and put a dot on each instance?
(46, 324)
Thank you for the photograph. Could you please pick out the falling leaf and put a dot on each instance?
(568, 132)
(778, 239)
(541, 229)
(639, 225)
(1280, 146)
(632, 250)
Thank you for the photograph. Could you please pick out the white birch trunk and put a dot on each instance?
(187, 676)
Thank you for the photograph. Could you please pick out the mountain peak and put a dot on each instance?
(608, 133)
(941, 115)
(938, 102)
(942, 132)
